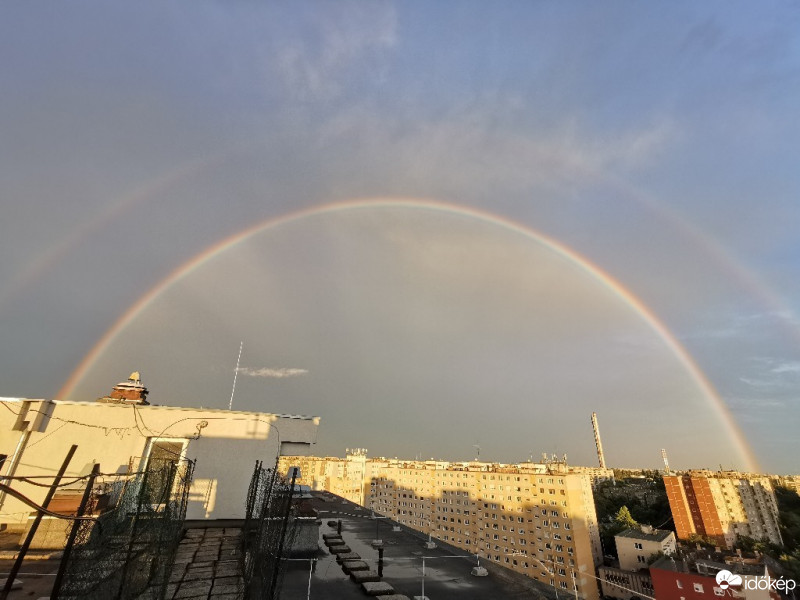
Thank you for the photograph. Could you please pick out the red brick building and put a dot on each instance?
(696, 580)
(722, 506)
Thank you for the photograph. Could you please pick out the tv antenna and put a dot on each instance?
(235, 373)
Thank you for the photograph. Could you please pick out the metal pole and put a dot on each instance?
(310, 571)
(62, 567)
(422, 597)
(27, 544)
(235, 373)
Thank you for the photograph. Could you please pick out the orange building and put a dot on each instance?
(723, 506)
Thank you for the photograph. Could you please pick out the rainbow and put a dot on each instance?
(616, 288)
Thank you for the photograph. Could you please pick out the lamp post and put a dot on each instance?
(377, 542)
(430, 544)
(422, 597)
(424, 558)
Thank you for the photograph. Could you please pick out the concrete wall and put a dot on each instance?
(36, 436)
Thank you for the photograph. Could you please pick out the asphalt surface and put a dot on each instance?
(446, 575)
(37, 577)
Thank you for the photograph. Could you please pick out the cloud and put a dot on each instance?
(316, 66)
(757, 383)
(787, 367)
(746, 403)
(769, 364)
(280, 373)
(488, 143)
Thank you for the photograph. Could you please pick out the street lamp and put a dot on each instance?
(377, 542)
(423, 597)
(424, 558)
(430, 544)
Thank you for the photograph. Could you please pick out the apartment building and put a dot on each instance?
(535, 519)
(345, 477)
(723, 506)
(635, 547)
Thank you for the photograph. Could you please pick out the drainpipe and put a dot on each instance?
(14, 461)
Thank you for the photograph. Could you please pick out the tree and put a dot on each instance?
(624, 520)
(621, 521)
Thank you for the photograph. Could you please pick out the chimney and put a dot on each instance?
(128, 392)
(600, 457)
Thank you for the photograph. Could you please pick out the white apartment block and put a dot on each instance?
(530, 518)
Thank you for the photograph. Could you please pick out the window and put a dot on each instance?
(637, 545)
(698, 587)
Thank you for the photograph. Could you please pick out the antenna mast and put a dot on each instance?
(235, 373)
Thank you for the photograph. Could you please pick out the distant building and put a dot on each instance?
(597, 475)
(791, 482)
(346, 477)
(124, 435)
(723, 506)
(624, 585)
(636, 547)
(535, 519)
(695, 579)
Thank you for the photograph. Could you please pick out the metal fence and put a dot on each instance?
(128, 550)
(268, 533)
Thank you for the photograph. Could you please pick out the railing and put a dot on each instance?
(127, 552)
(268, 533)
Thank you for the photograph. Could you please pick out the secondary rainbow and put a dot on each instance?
(677, 349)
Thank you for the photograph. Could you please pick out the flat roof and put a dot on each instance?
(164, 407)
(447, 570)
(711, 567)
(658, 535)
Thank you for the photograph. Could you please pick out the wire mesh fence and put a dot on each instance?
(128, 549)
(268, 533)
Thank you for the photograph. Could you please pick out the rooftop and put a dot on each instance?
(447, 570)
(157, 407)
(655, 535)
(709, 567)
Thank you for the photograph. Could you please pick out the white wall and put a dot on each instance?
(225, 447)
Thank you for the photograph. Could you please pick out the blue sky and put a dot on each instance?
(658, 141)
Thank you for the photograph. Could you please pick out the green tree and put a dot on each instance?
(624, 520)
(621, 521)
